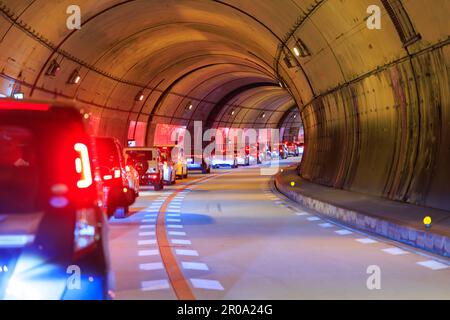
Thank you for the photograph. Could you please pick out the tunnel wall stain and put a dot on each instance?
(386, 134)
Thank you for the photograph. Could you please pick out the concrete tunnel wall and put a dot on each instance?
(375, 103)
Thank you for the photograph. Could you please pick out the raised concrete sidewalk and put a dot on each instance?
(391, 219)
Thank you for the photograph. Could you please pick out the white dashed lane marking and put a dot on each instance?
(173, 220)
(146, 242)
(173, 215)
(302, 214)
(395, 251)
(189, 253)
(177, 233)
(146, 234)
(433, 265)
(181, 241)
(148, 220)
(313, 219)
(147, 226)
(155, 285)
(366, 241)
(194, 266)
(148, 253)
(174, 226)
(151, 266)
(206, 284)
(326, 225)
(343, 232)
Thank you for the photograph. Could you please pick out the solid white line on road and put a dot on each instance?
(146, 242)
(194, 266)
(181, 241)
(433, 265)
(151, 266)
(173, 220)
(177, 233)
(174, 226)
(207, 284)
(146, 234)
(343, 232)
(366, 241)
(302, 214)
(147, 253)
(313, 219)
(155, 285)
(147, 226)
(395, 251)
(189, 253)
(326, 225)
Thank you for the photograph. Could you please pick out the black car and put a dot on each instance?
(52, 223)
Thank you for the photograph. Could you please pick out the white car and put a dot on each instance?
(224, 160)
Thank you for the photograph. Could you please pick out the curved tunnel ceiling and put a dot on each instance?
(374, 103)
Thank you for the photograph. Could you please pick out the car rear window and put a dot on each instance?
(107, 153)
(19, 170)
(141, 155)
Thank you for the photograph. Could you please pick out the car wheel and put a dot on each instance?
(121, 212)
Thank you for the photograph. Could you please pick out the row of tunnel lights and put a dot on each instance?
(75, 78)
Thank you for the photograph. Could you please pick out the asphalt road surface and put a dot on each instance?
(228, 235)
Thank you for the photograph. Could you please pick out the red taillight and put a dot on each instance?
(12, 105)
(154, 176)
(83, 166)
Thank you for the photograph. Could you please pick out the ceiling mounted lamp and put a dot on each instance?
(139, 96)
(296, 51)
(232, 112)
(287, 61)
(74, 78)
(263, 115)
(189, 106)
(53, 68)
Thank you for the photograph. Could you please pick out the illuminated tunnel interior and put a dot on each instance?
(375, 104)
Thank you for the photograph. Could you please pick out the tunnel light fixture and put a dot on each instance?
(232, 112)
(287, 61)
(189, 106)
(19, 95)
(53, 68)
(139, 96)
(74, 78)
(263, 115)
(296, 51)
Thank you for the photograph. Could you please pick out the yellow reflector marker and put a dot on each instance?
(427, 221)
(292, 184)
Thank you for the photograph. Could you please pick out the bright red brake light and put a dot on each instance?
(12, 105)
(83, 166)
